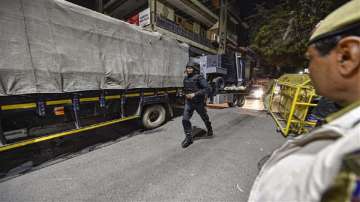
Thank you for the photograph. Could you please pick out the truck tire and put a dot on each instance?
(233, 102)
(239, 100)
(217, 84)
(153, 116)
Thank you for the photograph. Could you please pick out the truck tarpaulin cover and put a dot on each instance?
(53, 46)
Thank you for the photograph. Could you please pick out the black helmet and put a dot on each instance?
(193, 65)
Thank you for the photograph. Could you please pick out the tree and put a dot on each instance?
(280, 34)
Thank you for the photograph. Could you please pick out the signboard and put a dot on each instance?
(144, 17)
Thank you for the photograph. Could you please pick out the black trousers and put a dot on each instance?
(189, 109)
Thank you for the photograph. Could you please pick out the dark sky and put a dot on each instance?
(245, 8)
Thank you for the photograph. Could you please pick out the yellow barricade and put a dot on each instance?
(289, 103)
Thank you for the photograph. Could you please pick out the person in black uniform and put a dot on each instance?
(196, 88)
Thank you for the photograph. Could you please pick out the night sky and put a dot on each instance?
(246, 8)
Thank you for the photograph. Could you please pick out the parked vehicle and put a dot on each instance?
(229, 76)
(73, 70)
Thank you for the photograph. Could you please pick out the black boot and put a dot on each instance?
(210, 132)
(187, 141)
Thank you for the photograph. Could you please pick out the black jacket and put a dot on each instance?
(196, 84)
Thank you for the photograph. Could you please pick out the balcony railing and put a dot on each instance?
(173, 27)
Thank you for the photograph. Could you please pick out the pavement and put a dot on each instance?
(152, 166)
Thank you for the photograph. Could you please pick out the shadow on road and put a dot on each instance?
(199, 133)
(32, 157)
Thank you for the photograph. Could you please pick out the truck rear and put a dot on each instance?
(65, 70)
(229, 75)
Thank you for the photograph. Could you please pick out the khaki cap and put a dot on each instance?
(344, 18)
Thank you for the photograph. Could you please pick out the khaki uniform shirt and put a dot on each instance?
(320, 166)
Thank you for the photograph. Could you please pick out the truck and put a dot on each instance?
(67, 70)
(229, 75)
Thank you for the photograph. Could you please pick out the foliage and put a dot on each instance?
(280, 33)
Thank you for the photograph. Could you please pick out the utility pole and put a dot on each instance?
(100, 6)
(223, 26)
(152, 5)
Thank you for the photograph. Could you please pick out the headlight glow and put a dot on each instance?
(258, 93)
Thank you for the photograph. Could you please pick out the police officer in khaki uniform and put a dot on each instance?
(325, 164)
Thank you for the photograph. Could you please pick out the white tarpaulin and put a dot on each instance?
(53, 46)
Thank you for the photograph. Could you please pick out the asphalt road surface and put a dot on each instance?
(152, 166)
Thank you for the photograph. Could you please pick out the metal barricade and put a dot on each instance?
(291, 97)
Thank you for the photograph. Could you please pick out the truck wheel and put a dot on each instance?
(233, 102)
(216, 85)
(219, 83)
(239, 100)
(153, 116)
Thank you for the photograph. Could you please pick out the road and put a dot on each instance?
(152, 166)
